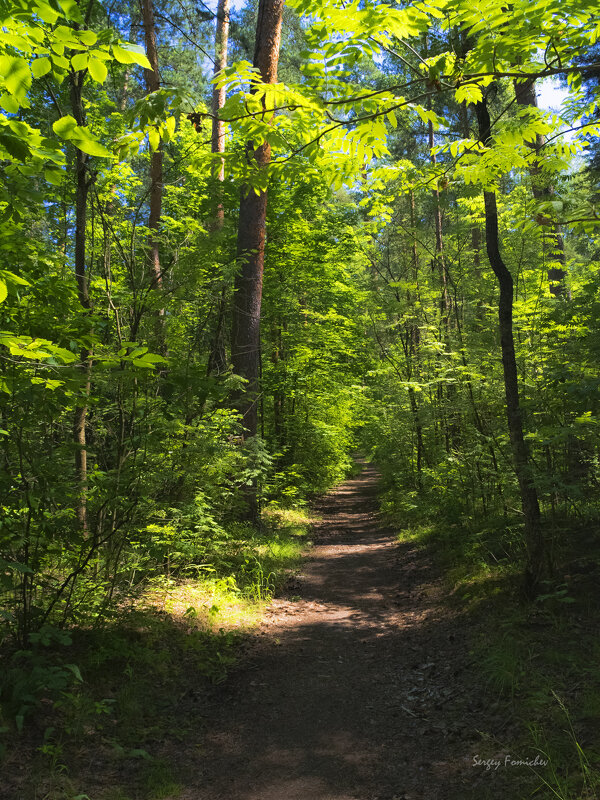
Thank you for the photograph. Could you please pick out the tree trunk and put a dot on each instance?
(156, 170)
(526, 96)
(217, 359)
(520, 451)
(439, 262)
(251, 234)
(413, 349)
(218, 101)
(80, 416)
(450, 424)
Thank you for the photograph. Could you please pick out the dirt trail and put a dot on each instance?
(358, 687)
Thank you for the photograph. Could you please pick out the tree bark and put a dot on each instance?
(218, 101)
(413, 349)
(475, 232)
(217, 359)
(251, 234)
(521, 458)
(80, 417)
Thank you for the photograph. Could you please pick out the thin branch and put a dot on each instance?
(185, 35)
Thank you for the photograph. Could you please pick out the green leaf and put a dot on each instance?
(170, 126)
(9, 103)
(130, 54)
(54, 176)
(87, 37)
(90, 146)
(17, 566)
(153, 139)
(138, 352)
(60, 61)
(153, 358)
(75, 670)
(3, 291)
(148, 360)
(12, 278)
(98, 70)
(15, 146)
(41, 67)
(80, 61)
(16, 74)
(468, 93)
(27, 347)
(67, 128)
(46, 13)
(71, 9)
(65, 34)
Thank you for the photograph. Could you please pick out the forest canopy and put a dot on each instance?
(241, 245)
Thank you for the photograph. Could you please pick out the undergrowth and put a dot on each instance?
(540, 659)
(118, 690)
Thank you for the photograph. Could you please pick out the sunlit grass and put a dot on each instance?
(242, 576)
(210, 603)
(294, 519)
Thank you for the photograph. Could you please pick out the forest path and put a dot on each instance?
(357, 687)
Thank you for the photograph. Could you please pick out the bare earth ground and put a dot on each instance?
(357, 686)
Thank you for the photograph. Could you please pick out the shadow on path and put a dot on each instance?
(358, 690)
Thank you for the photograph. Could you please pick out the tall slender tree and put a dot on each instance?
(251, 233)
(152, 77)
(520, 450)
(218, 100)
(217, 359)
(82, 186)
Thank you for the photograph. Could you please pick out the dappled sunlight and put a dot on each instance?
(290, 517)
(349, 684)
(207, 604)
(231, 592)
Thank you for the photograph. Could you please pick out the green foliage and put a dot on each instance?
(36, 675)
(378, 328)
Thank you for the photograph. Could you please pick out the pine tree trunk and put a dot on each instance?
(251, 235)
(439, 263)
(475, 232)
(526, 96)
(451, 428)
